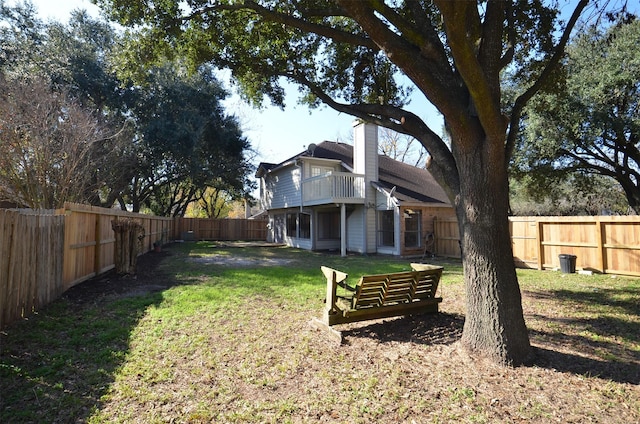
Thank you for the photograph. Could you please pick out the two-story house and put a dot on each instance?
(337, 196)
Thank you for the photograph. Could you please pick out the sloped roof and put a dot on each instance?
(412, 184)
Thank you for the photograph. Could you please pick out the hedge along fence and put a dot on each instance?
(44, 253)
(608, 244)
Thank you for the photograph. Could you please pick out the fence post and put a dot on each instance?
(600, 239)
(540, 247)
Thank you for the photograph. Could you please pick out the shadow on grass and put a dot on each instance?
(614, 370)
(599, 327)
(57, 365)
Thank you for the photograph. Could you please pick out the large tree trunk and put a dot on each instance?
(494, 324)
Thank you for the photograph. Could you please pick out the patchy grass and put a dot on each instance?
(220, 334)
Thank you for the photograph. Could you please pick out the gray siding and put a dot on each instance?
(355, 227)
(283, 188)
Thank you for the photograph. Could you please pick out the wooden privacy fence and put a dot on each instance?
(31, 261)
(90, 240)
(609, 244)
(447, 238)
(220, 229)
(44, 253)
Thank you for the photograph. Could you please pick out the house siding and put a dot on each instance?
(355, 228)
(283, 189)
(299, 243)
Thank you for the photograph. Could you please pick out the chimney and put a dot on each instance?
(365, 150)
(365, 161)
(247, 209)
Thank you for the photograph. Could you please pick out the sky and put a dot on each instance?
(274, 134)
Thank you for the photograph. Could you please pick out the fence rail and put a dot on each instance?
(609, 244)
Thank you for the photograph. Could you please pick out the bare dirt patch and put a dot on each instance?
(148, 279)
(233, 261)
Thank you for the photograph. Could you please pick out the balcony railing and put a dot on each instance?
(333, 187)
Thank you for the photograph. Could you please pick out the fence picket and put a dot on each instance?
(6, 232)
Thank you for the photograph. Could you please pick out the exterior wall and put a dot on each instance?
(299, 243)
(282, 188)
(384, 202)
(355, 230)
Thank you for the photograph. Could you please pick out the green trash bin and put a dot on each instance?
(568, 263)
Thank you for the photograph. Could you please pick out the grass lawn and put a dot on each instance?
(208, 333)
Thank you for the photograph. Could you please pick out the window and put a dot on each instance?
(328, 225)
(305, 225)
(299, 225)
(320, 170)
(292, 225)
(412, 226)
(386, 228)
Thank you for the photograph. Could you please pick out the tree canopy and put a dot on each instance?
(57, 144)
(157, 143)
(188, 143)
(590, 121)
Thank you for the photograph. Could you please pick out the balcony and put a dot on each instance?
(333, 187)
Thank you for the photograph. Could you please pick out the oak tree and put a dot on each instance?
(590, 124)
(364, 58)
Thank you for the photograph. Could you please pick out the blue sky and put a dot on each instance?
(275, 134)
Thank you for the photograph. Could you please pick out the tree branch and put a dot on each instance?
(522, 100)
(291, 21)
(431, 73)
